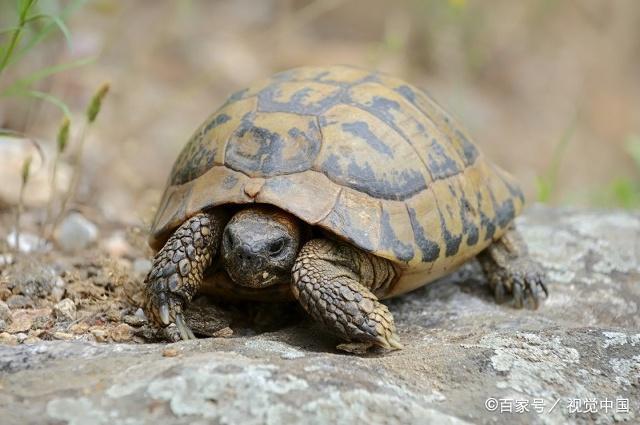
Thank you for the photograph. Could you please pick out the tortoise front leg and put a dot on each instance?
(512, 272)
(178, 269)
(333, 282)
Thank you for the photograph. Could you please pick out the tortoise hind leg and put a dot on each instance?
(512, 272)
(334, 281)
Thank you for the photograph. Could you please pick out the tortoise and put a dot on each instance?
(337, 187)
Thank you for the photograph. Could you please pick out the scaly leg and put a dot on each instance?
(334, 283)
(178, 268)
(511, 271)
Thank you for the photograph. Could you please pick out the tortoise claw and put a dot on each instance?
(185, 332)
(523, 284)
(164, 314)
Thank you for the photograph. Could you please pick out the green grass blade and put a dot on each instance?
(46, 30)
(23, 10)
(633, 148)
(27, 81)
(547, 182)
(56, 20)
(6, 30)
(48, 98)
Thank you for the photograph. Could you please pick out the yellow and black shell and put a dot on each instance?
(365, 156)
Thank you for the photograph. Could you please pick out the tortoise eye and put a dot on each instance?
(276, 247)
(228, 241)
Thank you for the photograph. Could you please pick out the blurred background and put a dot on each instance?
(550, 89)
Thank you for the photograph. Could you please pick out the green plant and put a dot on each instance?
(633, 148)
(32, 28)
(34, 23)
(621, 191)
(626, 190)
(95, 105)
(61, 145)
(547, 182)
(26, 168)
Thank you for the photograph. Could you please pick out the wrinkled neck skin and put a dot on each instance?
(260, 245)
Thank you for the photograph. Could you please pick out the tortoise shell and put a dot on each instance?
(365, 156)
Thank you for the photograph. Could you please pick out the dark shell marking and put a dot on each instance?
(401, 178)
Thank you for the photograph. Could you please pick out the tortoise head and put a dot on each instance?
(260, 245)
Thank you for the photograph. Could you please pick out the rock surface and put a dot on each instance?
(462, 352)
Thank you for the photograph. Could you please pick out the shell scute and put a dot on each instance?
(362, 153)
(273, 144)
(206, 147)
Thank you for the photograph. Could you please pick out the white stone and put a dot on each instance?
(141, 266)
(76, 233)
(28, 242)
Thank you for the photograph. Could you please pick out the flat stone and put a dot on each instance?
(465, 357)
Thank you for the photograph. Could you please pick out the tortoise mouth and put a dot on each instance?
(257, 281)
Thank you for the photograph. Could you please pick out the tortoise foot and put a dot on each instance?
(513, 275)
(521, 283)
(176, 275)
(332, 295)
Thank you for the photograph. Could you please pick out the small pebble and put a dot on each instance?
(58, 290)
(5, 292)
(133, 320)
(113, 315)
(36, 332)
(170, 352)
(35, 280)
(19, 301)
(31, 340)
(6, 260)
(5, 313)
(3, 325)
(117, 245)
(224, 333)
(28, 242)
(79, 328)
(7, 338)
(57, 294)
(40, 322)
(65, 309)
(21, 337)
(21, 321)
(121, 333)
(76, 233)
(141, 266)
(99, 334)
(140, 313)
(62, 336)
